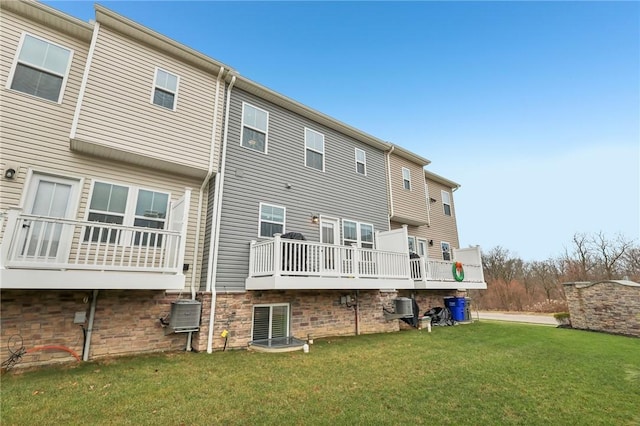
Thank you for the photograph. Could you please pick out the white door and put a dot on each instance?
(422, 247)
(49, 197)
(329, 234)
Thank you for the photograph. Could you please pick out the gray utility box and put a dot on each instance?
(185, 315)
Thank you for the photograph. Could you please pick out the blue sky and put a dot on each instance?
(533, 107)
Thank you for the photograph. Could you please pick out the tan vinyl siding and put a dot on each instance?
(35, 135)
(117, 111)
(443, 227)
(412, 203)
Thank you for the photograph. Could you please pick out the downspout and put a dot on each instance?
(217, 208)
(390, 190)
(357, 311)
(201, 197)
(92, 315)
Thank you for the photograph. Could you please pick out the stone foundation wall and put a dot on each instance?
(126, 322)
(608, 306)
(318, 313)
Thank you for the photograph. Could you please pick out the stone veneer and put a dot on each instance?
(610, 306)
(127, 321)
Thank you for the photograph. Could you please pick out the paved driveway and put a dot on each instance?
(516, 317)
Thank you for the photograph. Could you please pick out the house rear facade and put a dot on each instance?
(138, 173)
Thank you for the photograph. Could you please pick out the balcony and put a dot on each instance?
(281, 264)
(439, 274)
(40, 252)
(293, 264)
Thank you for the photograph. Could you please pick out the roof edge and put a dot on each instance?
(51, 17)
(441, 179)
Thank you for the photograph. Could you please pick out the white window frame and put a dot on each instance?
(271, 306)
(129, 216)
(306, 147)
(164, 89)
(448, 251)
(415, 244)
(421, 242)
(16, 61)
(446, 201)
(406, 178)
(284, 219)
(364, 162)
(359, 241)
(265, 131)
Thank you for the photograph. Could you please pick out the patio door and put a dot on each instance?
(329, 234)
(49, 198)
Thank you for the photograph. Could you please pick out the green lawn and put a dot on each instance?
(484, 373)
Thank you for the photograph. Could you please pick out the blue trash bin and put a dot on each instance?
(456, 306)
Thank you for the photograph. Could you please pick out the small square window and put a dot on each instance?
(41, 68)
(255, 123)
(406, 178)
(361, 161)
(165, 89)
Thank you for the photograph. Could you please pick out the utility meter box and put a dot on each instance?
(185, 315)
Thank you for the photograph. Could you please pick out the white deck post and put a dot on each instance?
(277, 256)
(252, 256)
(8, 237)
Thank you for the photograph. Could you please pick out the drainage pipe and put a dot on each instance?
(201, 197)
(92, 315)
(357, 312)
(217, 210)
(389, 185)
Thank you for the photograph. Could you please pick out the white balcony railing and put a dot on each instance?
(37, 242)
(442, 270)
(281, 256)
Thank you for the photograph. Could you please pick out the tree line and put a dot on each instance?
(517, 285)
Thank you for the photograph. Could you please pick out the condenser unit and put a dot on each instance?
(403, 306)
(185, 315)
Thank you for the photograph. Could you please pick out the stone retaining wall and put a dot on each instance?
(610, 306)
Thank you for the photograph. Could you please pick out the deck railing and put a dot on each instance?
(38, 242)
(442, 270)
(282, 256)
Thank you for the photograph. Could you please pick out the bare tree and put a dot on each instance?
(609, 255)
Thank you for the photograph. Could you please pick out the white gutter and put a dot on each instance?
(217, 208)
(85, 78)
(393, 147)
(201, 197)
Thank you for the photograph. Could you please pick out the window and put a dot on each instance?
(270, 321)
(446, 203)
(314, 149)
(412, 244)
(165, 89)
(422, 247)
(254, 128)
(360, 234)
(361, 161)
(446, 251)
(406, 178)
(271, 220)
(41, 68)
(129, 206)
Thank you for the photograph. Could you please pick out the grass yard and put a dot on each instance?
(478, 374)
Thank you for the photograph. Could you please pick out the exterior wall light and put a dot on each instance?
(315, 218)
(10, 173)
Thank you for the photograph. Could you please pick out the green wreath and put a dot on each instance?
(457, 271)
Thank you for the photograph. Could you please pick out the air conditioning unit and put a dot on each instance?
(403, 306)
(185, 315)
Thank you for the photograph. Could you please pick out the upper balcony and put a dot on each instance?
(280, 264)
(39, 252)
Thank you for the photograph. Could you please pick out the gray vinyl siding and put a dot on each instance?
(252, 177)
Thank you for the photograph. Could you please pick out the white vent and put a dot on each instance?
(403, 306)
